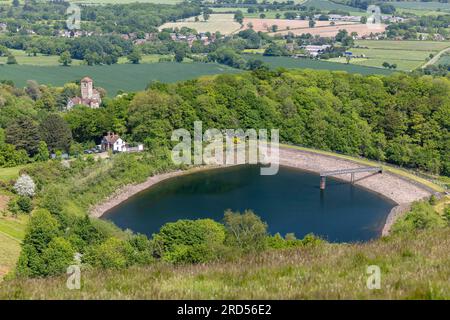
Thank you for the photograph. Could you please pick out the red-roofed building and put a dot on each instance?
(89, 96)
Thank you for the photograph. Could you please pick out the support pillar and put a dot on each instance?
(323, 181)
(352, 179)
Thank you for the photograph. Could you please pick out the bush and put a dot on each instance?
(433, 200)
(422, 216)
(25, 186)
(42, 228)
(189, 241)
(58, 256)
(447, 214)
(111, 254)
(142, 249)
(25, 204)
(245, 231)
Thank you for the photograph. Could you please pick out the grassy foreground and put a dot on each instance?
(413, 266)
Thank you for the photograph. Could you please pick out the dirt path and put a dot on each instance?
(435, 58)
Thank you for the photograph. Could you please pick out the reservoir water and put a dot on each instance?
(290, 201)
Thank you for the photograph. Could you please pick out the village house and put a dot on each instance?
(314, 51)
(3, 26)
(112, 141)
(89, 96)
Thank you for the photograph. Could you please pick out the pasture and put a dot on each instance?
(326, 5)
(445, 59)
(407, 55)
(306, 63)
(224, 23)
(40, 59)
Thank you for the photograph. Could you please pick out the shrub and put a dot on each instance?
(83, 233)
(245, 231)
(25, 204)
(42, 228)
(189, 241)
(111, 254)
(447, 214)
(422, 216)
(58, 256)
(433, 200)
(142, 249)
(13, 207)
(278, 242)
(25, 186)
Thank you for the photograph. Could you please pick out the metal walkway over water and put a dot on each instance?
(352, 172)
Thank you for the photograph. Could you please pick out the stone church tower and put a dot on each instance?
(87, 88)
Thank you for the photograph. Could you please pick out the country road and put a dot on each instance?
(435, 58)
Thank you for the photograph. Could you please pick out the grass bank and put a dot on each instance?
(413, 266)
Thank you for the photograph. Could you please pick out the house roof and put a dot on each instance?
(111, 138)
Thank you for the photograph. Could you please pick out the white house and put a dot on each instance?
(115, 143)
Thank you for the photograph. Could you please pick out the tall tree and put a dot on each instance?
(56, 133)
(24, 134)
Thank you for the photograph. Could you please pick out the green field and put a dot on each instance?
(52, 60)
(328, 5)
(128, 77)
(408, 55)
(418, 5)
(127, 1)
(306, 63)
(12, 231)
(7, 174)
(445, 59)
(42, 60)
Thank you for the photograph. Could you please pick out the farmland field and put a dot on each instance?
(445, 59)
(43, 60)
(407, 55)
(328, 5)
(283, 24)
(287, 62)
(331, 31)
(417, 5)
(128, 77)
(127, 1)
(224, 23)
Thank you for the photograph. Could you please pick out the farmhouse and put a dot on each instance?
(314, 51)
(89, 96)
(112, 141)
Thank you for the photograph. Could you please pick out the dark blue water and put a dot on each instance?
(290, 201)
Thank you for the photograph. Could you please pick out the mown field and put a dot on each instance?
(408, 55)
(42, 60)
(413, 266)
(127, 77)
(224, 23)
(12, 231)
